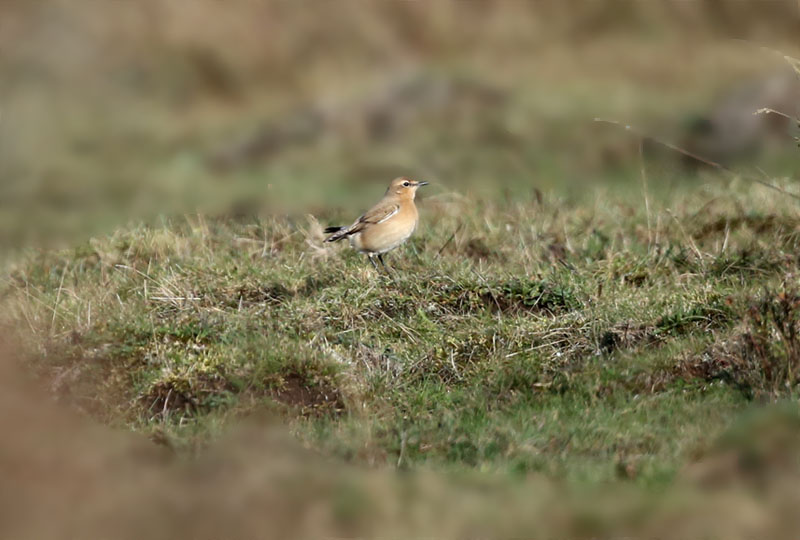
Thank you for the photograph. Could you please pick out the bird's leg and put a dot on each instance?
(373, 263)
(383, 263)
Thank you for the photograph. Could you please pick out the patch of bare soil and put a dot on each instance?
(310, 399)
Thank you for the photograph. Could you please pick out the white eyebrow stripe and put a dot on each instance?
(396, 209)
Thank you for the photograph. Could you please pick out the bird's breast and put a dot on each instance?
(385, 236)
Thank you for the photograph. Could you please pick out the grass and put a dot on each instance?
(582, 339)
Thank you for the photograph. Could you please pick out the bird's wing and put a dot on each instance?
(377, 214)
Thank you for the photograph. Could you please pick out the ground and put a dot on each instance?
(581, 338)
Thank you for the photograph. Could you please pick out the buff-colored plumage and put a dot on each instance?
(386, 225)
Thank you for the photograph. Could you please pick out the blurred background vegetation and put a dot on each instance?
(118, 110)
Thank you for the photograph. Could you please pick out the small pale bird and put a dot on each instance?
(386, 225)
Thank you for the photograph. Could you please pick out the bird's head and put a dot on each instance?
(405, 187)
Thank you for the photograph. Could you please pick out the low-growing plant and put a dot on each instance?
(762, 360)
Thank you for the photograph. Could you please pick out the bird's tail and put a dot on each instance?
(336, 233)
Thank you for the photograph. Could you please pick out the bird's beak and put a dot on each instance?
(420, 184)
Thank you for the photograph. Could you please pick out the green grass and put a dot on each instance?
(582, 339)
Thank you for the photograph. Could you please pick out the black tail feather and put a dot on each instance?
(342, 232)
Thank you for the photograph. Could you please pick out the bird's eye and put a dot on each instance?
(405, 184)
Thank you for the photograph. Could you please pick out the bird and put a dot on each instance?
(386, 225)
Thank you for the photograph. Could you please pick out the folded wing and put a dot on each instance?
(379, 213)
